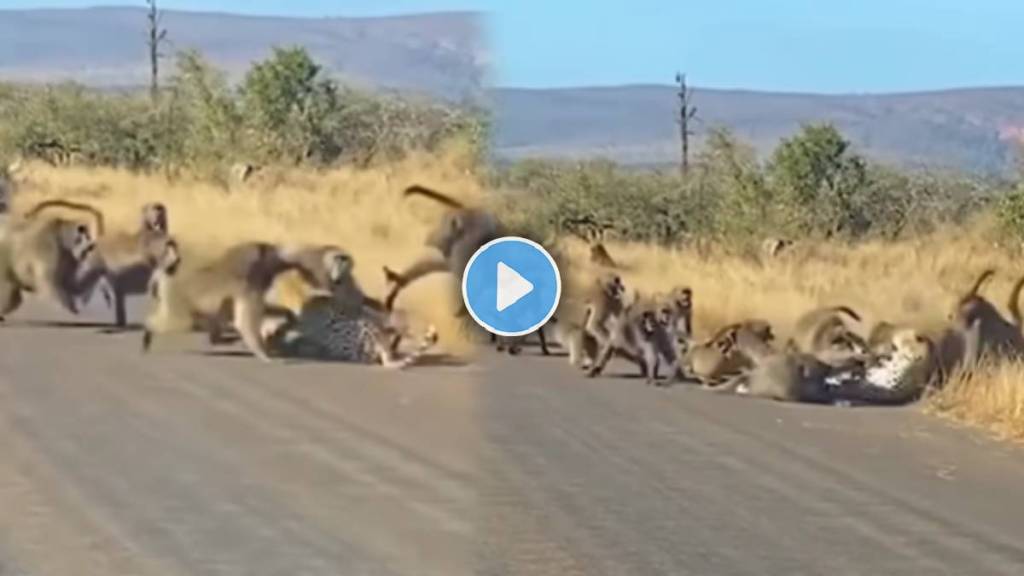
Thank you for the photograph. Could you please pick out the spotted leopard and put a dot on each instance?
(339, 326)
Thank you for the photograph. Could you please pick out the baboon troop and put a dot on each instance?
(60, 251)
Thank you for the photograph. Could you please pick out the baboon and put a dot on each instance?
(638, 335)
(236, 282)
(728, 351)
(125, 261)
(996, 335)
(824, 334)
(772, 247)
(680, 300)
(461, 232)
(880, 340)
(41, 258)
(242, 171)
(787, 376)
(40, 254)
(574, 338)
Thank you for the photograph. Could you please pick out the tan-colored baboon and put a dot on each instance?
(41, 258)
(236, 282)
(824, 334)
(772, 247)
(995, 335)
(728, 351)
(40, 253)
(125, 261)
(638, 335)
(786, 376)
(574, 338)
(461, 232)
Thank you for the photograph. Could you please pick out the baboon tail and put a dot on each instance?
(434, 195)
(848, 311)
(93, 212)
(984, 277)
(1014, 304)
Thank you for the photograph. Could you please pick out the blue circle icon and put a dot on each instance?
(511, 286)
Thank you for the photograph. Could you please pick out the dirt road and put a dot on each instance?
(185, 463)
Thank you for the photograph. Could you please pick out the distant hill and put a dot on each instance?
(974, 129)
(442, 54)
(445, 55)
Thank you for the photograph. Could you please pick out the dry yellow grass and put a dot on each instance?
(912, 281)
(991, 396)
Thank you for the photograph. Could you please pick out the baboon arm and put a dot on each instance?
(248, 316)
(421, 268)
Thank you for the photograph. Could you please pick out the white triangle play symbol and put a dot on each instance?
(511, 286)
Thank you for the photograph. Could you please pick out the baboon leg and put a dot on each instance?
(543, 342)
(49, 287)
(419, 269)
(147, 340)
(10, 297)
(731, 385)
(602, 359)
(120, 314)
(248, 316)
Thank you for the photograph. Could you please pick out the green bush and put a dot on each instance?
(285, 111)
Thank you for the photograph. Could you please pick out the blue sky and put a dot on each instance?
(792, 45)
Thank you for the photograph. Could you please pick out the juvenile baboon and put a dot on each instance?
(574, 338)
(125, 261)
(237, 281)
(680, 300)
(461, 232)
(638, 335)
(996, 335)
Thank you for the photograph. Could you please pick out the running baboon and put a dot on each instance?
(574, 338)
(461, 232)
(236, 282)
(996, 335)
(125, 261)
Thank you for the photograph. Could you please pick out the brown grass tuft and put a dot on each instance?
(990, 396)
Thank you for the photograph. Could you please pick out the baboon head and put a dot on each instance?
(154, 217)
(613, 287)
(75, 238)
(451, 228)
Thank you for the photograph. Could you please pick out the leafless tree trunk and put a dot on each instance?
(157, 35)
(687, 112)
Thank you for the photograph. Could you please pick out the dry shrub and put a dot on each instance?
(359, 210)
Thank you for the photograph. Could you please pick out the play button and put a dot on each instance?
(511, 286)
